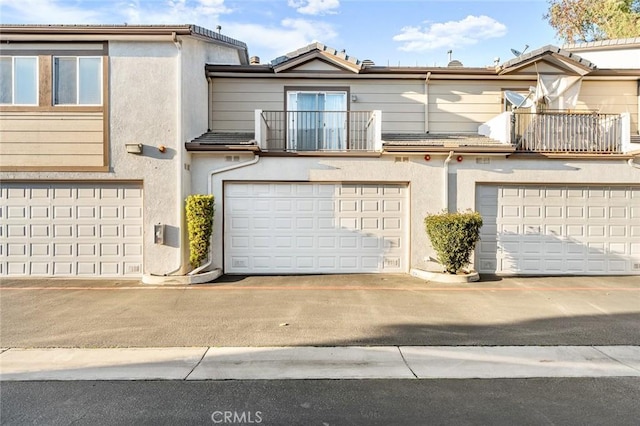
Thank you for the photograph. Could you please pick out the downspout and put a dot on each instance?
(179, 152)
(446, 181)
(633, 163)
(426, 102)
(253, 161)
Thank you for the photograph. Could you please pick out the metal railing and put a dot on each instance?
(317, 130)
(567, 132)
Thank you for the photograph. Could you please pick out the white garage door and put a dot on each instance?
(590, 230)
(315, 228)
(70, 229)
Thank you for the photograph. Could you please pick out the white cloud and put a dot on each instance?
(204, 12)
(201, 12)
(270, 41)
(468, 31)
(275, 41)
(314, 7)
(46, 12)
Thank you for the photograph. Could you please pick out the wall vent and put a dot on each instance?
(402, 159)
(483, 160)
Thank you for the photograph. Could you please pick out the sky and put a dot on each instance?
(388, 32)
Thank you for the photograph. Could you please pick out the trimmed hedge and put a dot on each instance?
(454, 236)
(200, 212)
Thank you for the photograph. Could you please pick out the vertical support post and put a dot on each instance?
(377, 138)
(625, 132)
(258, 127)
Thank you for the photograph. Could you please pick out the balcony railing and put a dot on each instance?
(329, 131)
(568, 132)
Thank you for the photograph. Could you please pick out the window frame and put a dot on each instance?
(77, 103)
(13, 80)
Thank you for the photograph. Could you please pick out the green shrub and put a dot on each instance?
(200, 226)
(454, 236)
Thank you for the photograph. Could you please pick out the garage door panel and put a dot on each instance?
(71, 229)
(558, 229)
(303, 227)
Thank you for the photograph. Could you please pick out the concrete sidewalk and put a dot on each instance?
(354, 362)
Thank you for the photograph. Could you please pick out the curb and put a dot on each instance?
(308, 362)
(440, 277)
(201, 278)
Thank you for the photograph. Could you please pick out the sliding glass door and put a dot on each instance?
(317, 121)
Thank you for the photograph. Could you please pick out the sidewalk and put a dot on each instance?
(352, 362)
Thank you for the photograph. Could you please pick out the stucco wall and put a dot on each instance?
(425, 179)
(145, 81)
(144, 93)
(521, 171)
(622, 58)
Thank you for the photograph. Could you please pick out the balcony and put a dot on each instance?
(569, 132)
(318, 131)
(563, 132)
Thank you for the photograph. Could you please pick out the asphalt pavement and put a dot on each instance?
(322, 310)
(558, 401)
(538, 350)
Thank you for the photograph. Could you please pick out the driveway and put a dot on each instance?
(323, 310)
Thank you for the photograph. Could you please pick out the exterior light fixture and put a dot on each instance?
(134, 148)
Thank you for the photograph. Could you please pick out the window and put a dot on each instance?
(18, 80)
(317, 120)
(77, 81)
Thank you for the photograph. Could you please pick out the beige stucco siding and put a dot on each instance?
(51, 139)
(610, 97)
(234, 100)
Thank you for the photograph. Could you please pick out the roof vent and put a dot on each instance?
(455, 63)
(368, 63)
(254, 60)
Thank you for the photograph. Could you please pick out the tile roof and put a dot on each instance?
(612, 43)
(432, 139)
(320, 47)
(223, 141)
(182, 29)
(548, 49)
(429, 143)
(225, 138)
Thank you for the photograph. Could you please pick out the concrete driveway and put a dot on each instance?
(324, 310)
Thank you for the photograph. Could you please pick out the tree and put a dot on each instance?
(591, 20)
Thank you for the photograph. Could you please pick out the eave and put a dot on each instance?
(13, 32)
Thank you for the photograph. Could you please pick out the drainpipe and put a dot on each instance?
(446, 181)
(253, 161)
(179, 153)
(426, 102)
